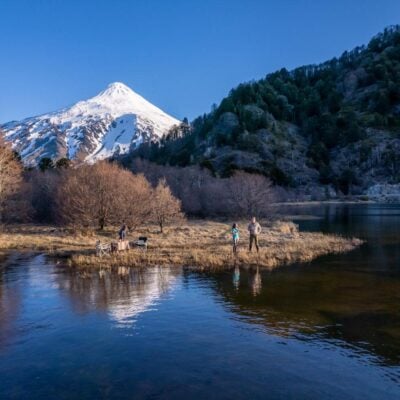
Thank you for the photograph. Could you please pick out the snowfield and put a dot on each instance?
(115, 121)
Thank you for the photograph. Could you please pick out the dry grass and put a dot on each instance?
(207, 245)
(196, 244)
(45, 238)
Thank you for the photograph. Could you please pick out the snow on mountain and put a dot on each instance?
(114, 122)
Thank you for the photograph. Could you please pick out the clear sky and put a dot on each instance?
(182, 55)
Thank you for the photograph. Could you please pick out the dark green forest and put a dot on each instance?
(331, 105)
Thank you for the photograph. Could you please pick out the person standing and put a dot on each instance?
(122, 232)
(235, 237)
(254, 229)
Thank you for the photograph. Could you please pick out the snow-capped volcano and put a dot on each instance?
(114, 122)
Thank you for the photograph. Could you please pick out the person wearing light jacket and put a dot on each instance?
(254, 229)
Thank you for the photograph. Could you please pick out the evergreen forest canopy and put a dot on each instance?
(327, 106)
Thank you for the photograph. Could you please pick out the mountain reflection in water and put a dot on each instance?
(123, 293)
(327, 329)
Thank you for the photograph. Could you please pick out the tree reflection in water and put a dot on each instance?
(10, 299)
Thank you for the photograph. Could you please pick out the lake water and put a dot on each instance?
(325, 330)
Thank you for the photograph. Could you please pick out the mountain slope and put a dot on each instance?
(114, 122)
(334, 124)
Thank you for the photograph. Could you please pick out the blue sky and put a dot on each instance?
(182, 55)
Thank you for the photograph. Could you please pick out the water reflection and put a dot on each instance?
(236, 278)
(244, 333)
(123, 293)
(314, 328)
(256, 282)
(10, 300)
(350, 300)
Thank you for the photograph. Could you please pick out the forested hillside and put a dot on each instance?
(332, 127)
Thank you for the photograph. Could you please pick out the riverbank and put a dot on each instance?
(197, 244)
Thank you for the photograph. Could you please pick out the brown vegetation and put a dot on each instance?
(164, 206)
(197, 244)
(250, 195)
(11, 184)
(46, 238)
(207, 245)
(103, 194)
(94, 196)
(202, 194)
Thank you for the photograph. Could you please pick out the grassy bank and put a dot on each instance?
(46, 238)
(197, 244)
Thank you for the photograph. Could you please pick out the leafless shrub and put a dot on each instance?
(42, 187)
(203, 195)
(12, 204)
(250, 194)
(286, 227)
(165, 208)
(102, 194)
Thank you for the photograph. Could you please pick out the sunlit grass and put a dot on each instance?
(199, 244)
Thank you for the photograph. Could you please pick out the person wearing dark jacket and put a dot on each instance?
(122, 232)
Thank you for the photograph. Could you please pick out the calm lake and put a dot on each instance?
(325, 330)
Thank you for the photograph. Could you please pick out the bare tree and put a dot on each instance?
(102, 194)
(205, 195)
(135, 200)
(42, 189)
(165, 207)
(11, 181)
(250, 194)
(188, 184)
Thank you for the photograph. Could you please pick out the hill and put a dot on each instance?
(328, 127)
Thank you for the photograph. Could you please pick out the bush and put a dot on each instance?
(103, 194)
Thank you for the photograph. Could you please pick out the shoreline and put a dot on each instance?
(196, 244)
(321, 202)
